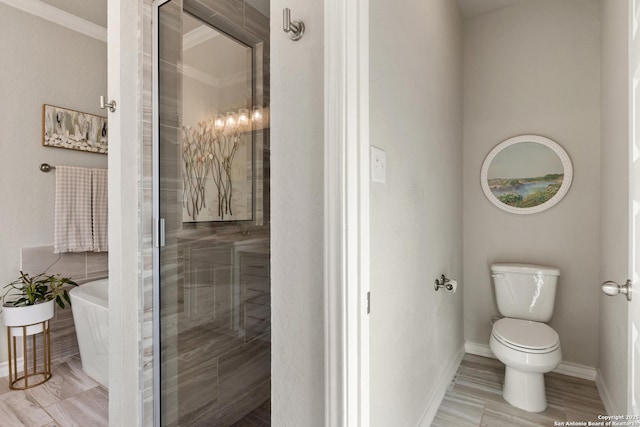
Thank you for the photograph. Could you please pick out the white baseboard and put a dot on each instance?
(478, 349)
(566, 368)
(578, 371)
(440, 389)
(4, 367)
(605, 396)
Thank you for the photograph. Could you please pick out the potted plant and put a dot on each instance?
(29, 300)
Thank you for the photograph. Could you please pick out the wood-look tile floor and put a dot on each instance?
(69, 399)
(259, 417)
(474, 398)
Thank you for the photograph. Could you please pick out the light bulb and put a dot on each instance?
(243, 117)
(218, 124)
(231, 120)
(256, 114)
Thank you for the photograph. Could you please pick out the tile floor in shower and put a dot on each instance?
(474, 398)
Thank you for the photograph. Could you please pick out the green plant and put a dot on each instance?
(511, 199)
(31, 290)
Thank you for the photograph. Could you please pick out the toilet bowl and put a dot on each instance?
(528, 349)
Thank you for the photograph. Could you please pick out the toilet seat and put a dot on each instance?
(525, 335)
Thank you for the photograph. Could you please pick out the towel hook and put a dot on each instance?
(109, 105)
(294, 29)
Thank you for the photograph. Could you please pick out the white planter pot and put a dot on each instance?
(31, 316)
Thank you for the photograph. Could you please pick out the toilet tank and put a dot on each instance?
(525, 291)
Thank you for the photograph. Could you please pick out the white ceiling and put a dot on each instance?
(471, 8)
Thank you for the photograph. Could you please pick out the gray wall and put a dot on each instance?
(42, 63)
(534, 68)
(614, 156)
(416, 117)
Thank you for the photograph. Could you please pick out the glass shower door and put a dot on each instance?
(212, 278)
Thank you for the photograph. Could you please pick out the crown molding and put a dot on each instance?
(200, 76)
(82, 26)
(240, 77)
(199, 35)
(60, 17)
(208, 79)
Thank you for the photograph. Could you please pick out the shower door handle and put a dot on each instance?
(158, 233)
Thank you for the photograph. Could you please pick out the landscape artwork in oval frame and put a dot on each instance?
(526, 174)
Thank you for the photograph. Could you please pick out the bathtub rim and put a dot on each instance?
(82, 295)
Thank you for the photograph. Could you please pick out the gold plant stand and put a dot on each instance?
(32, 374)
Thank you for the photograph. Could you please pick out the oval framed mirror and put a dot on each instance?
(526, 174)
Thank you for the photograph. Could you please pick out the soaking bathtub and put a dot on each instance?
(90, 307)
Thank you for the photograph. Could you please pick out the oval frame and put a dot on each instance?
(557, 149)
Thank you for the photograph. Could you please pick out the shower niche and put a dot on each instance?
(212, 322)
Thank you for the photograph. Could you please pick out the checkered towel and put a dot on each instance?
(100, 210)
(72, 223)
(80, 214)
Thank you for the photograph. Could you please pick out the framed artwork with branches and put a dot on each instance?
(217, 170)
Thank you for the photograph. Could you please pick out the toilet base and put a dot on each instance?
(524, 390)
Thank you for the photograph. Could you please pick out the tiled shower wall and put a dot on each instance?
(146, 215)
(79, 266)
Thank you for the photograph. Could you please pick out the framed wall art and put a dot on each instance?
(526, 174)
(75, 130)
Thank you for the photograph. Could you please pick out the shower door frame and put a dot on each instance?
(249, 41)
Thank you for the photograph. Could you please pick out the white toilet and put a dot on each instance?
(525, 294)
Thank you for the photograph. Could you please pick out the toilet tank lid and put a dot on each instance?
(524, 269)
